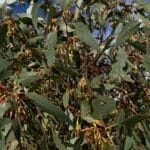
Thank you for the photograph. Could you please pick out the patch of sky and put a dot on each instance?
(17, 8)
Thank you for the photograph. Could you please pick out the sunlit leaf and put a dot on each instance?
(109, 86)
(34, 14)
(66, 98)
(143, 4)
(117, 71)
(50, 52)
(3, 108)
(36, 39)
(79, 2)
(95, 82)
(28, 77)
(129, 141)
(85, 35)
(128, 29)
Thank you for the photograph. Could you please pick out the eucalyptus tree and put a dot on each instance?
(74, 74)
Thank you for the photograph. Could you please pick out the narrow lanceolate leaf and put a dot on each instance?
(85, 35)
(16, 129)
(36, 39)
(50, 52)
(146, 62)
(43, 103)
(66, 99)
(58, 141)
(79, 2)
(132, 121)
(127, 30)
(34, 14)
(3, 31)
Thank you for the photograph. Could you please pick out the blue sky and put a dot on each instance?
(19, 9)
(22, 9)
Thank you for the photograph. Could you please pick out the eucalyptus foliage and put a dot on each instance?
(75, 75)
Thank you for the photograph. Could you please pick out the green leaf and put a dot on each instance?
(128, 29)
(36, 39)
(129, 141)
(16, 129)
(6, 72)
(58, 141)
(109, 86)
(34, 14)
(117, 71)
(25, 19)
(66, 98)
(65, 3)
(4, 64)
(85, 35)
(126, 77)
(120, 116)
(3, 31)
(6, 127)
(50, 52)
(46, 105)
(95, 82)
(79, 141)
(146, 62)
(2, 142)
(145, 5)
(138, 46)
(131, 121)
(28, 77)
(146, 132)
(77, 11)
(4, 121)
(86, 111)
(102, 106)
(3, 109)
